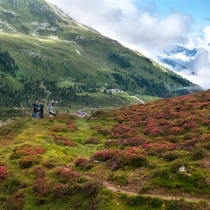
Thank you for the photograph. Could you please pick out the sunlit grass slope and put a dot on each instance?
(46, 43)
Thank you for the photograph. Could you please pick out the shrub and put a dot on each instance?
(71, 127)
(175, 130)
(133, 141)
(92, 140)
(98, 114)
(60, 191)
(59, 128)
(91, 189)
(39, 172)
(103, 131)
(158, 148)
(67, 175)
(189, 136)
(105, 155)
(27, 150)
(83, 163)
(49, 164)
(133, 156)
(121, 180)
(3, 173)
(172, 205)
(63, 140)
(16, 202)
(28, 161)
(111, 143)
(198, 153)
(170, 156)
(148, 203)
(12, 185)
(4, 143)
(187, 145)
(114, 163)
(42, 187)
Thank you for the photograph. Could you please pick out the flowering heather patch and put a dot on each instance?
(59, 128)
(190, 125)
(42, 187)
(11, 135)
(63, 140)
(92, 140)
(27, 150)
(133, 156)
(49, 163)
(71, 127)
(39, 172)
(67, 174)
(207, 97)
(187, 144)
(132, 141)
(157, 148)
(175, 130)
(124, 130)
(82, 162)
(28, 161)
(102, 130)
(3, 173)
(63, 118)
(160, 115)
(60, 191)
(204, 137)
(4, 143)
(91, 189)
(206, 122)
(105, 155)
(16, 202)
(164, 123)
(152, 128)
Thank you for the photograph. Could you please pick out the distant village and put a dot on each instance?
(112, 91)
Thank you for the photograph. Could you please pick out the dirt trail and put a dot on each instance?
(118, 189)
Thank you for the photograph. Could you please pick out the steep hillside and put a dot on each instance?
(152, 156)
(46, 44)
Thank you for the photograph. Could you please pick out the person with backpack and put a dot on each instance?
(41, 109)
(35, 108)
(51, 112)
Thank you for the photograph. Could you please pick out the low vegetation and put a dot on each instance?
(155, 155)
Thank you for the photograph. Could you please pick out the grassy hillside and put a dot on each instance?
(152, 156)
(46, 44)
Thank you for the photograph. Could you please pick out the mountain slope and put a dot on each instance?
(159, 150)
(46, 43)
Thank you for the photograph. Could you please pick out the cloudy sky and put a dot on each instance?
(153, 27)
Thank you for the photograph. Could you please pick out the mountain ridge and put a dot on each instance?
(48, 45)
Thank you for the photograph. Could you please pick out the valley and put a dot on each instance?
(144, 144)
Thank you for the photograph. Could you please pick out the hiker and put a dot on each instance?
(35, 109)
(51, 112)
(41, 108)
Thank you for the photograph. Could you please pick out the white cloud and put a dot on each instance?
(144, 30)
(123, 21)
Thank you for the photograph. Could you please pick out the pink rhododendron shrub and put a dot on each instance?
(63, 140)
(159, 147)
(66, 175)
(133, 156)
(3, 173)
